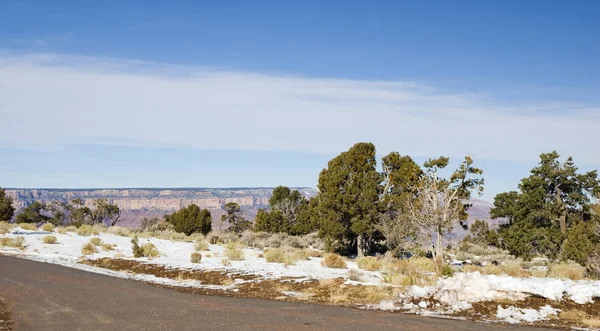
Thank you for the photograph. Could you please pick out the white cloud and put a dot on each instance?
(47, 101)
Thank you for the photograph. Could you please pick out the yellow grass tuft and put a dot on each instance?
(89, 249)
(107, 247)
(84, 230)
(16, 242)
(49, 239)
(48, 227)
(368, 263)
(60, 229)
(5, 227)
(71, 228)
(96, 241)
(196, 257)
(28, 226)
(150, 251)
(201, 245)
(569, 270)
(332, 260)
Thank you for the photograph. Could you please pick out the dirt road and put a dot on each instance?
(49, 297)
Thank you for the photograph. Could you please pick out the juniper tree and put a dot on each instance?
(6, 208)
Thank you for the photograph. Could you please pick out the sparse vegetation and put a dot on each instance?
(368, 263)
(16, 242)
(49, 239)
(147, 250)
(48, 227)
(60, 229)
(96, 241)
(201, 245)
(119, 231)
(28, 226)
(89, 249)
(84, 230)
(196, 257)
(107, 247)
(332, 260)
(71, 228)
(233, 252)
(570, 270)
(5, 227)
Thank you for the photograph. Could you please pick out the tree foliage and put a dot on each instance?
(348, 200)
(7, 210)
(287, 213)
(233, 216)
(550, 202)
(34, 213)
(191, 219)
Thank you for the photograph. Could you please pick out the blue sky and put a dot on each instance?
(199, 94)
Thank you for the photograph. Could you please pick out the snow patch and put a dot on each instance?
(517, 315)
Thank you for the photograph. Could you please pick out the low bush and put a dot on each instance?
(201, 245)
(28, 226)
(16, 242)
(119, 231)
(369, 263)
(84, 230)
(5, 227)
(150, 251)
(49, 239)
(196, 257)
(96, 241)
(89, 249)
(60, 229)
(48, 227)
(233, 252)
(332, 260)
(107, 247)
(570, 270)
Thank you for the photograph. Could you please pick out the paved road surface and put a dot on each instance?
(50, 297)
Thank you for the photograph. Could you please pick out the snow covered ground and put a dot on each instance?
(448, 295)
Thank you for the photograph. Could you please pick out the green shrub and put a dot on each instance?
(196, 257)
(96, 241)
(48, 227)
(49, 239)
(84, 230)
(137, 250)
(368, 263)
(88, 249)
(332, 260)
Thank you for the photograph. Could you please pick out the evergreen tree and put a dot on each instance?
(6, 208)
(233, 216)
(270, 221)
(33, 214)
(348, 200)
(191, 219)
(550, 202)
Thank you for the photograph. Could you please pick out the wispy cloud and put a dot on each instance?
(49, 100)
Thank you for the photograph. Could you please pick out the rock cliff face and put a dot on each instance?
(136, 204)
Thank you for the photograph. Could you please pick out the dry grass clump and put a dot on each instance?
(278, 240)
(225, 262)
(512, 269)
(84, 230)
(71, 228)
(569, 270)
(332, 260)
(60, 229)
(119, 231)
(98, 228)
(5, 227)
(16, 242)
(150, 251)
(233, 252)
(170, 234)
(108, 247)
(96, 241)
(369, 263)
(414, 271)
(580, 317)
(49, 239)
(48, 227)
(201, 245)
(28, 226)
(354, 274)
(196, 257)
(343, 294)
(89, 249)
(288, 256)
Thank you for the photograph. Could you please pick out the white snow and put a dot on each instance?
(516, 315)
